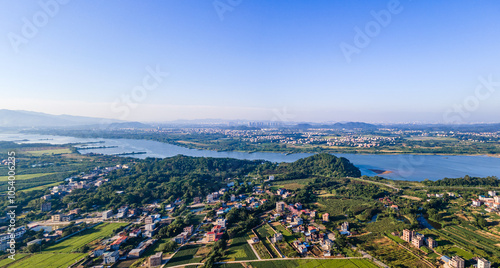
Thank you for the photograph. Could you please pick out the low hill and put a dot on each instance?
(323, 164)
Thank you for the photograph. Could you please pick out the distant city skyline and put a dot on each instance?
(366, 61)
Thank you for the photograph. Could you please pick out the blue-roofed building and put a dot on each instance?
(446, 259)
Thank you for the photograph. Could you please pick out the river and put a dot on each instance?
(402, 167)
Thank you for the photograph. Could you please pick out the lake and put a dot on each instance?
(402, 167)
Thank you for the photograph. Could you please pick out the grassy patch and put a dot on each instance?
(462, 253)
(84, 238)
(6, 261)
(26, 176)
(49, 152)
(185, 255)
(384, 225)
(320, 263)
(336, 206)
(388, 252)
(240, 250)
(52, 260)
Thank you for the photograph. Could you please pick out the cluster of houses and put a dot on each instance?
(95, 177)
(292, 217)
(184, 236)
(419, 240)
(492, 202)
(110, 248)
(217, 231)
(458, 262)
(5, 236)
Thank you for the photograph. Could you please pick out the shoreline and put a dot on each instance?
(180, 144)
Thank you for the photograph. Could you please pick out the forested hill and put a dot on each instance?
(164, 179)
(323, 164)
(188, 177)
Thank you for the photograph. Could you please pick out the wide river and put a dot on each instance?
(404, 167)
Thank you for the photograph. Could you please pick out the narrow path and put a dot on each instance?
(254, 251)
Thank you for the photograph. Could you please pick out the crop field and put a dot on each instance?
(320, 263)
(262, 251)
(286, 249)
(26, 176)
(291, 184)
(185, 255)
(49, 152)
(383, 225)
(462, 253)
(395, 238)
(265, 231)
(340, 206)
(390, 253)
(6, 261)
(48, 260)
(473, 242)
(73, 243)
(41, 187)
(29, 181)
(240, 250)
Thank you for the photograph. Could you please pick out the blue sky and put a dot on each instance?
(257, 60)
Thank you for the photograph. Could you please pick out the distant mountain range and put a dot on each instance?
(28, 119)
(15, 119)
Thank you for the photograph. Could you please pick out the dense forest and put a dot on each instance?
(466, 181)
(322, 164)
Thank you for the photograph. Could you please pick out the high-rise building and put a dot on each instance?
(280, 207)
(483, 263)
(46, 207)
(431, 243)
(457, 262)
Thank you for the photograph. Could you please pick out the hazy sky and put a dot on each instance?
(373, 61)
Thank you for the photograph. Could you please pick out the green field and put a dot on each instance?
(286, 234)
(185, 256)
(49, 152)
(262, 250)
(73, 243)
(41, 187)
(385, 225)
(26, 176)
(60, 254)
(6, 261)
(48, 260)
(309, 263)
(336, 206)
(389, 252)
(462, 253)
(240, 250)
(395, 238)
